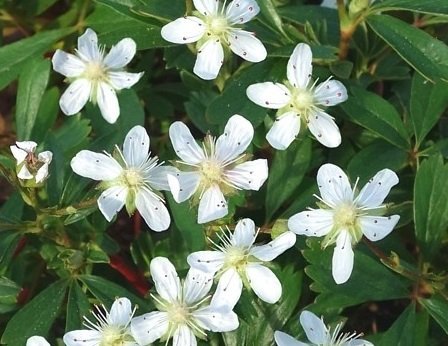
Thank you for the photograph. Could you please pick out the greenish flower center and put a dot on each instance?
(345, 216)
(302, 101)
(132, 178)
(211, 171)
(216, 26)
(95, 72)
(112, 336)
(177, 313)
(236, 257)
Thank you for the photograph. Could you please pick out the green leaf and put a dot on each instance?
(77, 306)
(431, 204)
(435, 7)
(376, 114)
(37, 317)
(287, 171)
(269, 11)
(428, 102)
(437, 306)
(423, 52)
(9, 292)
(47, 114)
(33, 81)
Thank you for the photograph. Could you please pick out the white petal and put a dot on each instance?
(330, 93)
(123, 80)
(95, 166)
(324, 128)
(157, 177)
(183, 185)
(120, 54)
(284, 130)
(153, 210)
(27, 146)
(197, 284)
(207, 261)
(300, 66)
(241, 11)
(237, 136)
(149, 327)
(184, 30)
(24, 173)
(269, 94)
(206, 7)
(333, 185)
(264, 283)
(244, 234)
(212, 206)
(75, 97)
(165, 279)
(376, 190)
(377, 227)
(108, 102)
(312, 223)
(283, 339)
(136, 146)
(112, 200)
(42, 173)
(216, 319)
(330, 4)
(314, 327)
(88, 46)
(274, 248)
(184, 336)
(37, 341)
(19, 154)
(247, 46)
(184, 144)
(120, 312)
(228, 291)
(358, 342)
(343, 256)
(82, 338)
(45, 156)
(209, 59)
(66, 64)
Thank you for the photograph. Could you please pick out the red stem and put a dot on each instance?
(132, 275)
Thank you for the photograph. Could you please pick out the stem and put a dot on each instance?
(82, 15)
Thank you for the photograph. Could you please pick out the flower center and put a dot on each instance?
(236, 257)
(345, 216)
(178, 313)
(112, 336)
(211, 172)
(95, 72)
(216, 25)
(132, 178)
(302, 100)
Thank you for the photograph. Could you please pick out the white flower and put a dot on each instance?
(184, 312)
(300, 101)
(111, 328)
(318, 334)
(37, 341)
(29, 165)
(346, 217)
(238, 260)
(95, 76)
(131, 178)
(213, 26)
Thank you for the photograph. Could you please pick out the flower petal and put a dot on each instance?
(88, 46)
(120, 313)
(157, 177)
(228, 291)
(376, 190)
(216, 319)
(184, 144)
(274, 248)
(300, 67)
(212, 206)
(333, 185)
(269, 94)
(95, 166)
(244, 234)
(123, 80)
(152, 209)
(165, 279)
(19, 154)
(324, 128)
(314, 327)
(42, 173)
(82, 338)
(27, 146)
(264, 283)
(75, 97)
(184, 30)
(183, 185)
(136, 146)
(377, 227)
(149, 327)
(66, 64)
(112, 200)
(45, 156)
(24, 173)
(284, 130)
(283, 339)
(249, 175)
(184, 336)
(108, 102)
(312, 223)
(209, 59)
(246, 45)
(241, 11)
(206, 7)
(343, 256)
(207, 261)
(237, 136)
(197, 284)
(37, 341)
(358, 342)
(120, 54)
(330, 93)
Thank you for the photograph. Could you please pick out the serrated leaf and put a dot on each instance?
(435, 7)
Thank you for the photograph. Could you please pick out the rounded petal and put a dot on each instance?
(330, 93)
(228, 291)
(184, 336)
(207, 261)
(42, 173)
(112, 200)
(343, 256)
(24, 173)
(95, 166)
(300, 67)
(108, 102)
(153, 210)
(37, 341)
(312, 223)
(27, 146)
(88, 46)
(184, 30)
(75, 97)
(358, 342)
(66, 64)
(274, 248)
(314, 327)
(149, 327)
(269, 94)
(241, 11)
(19, 154)
(206, 7)
(284, 130)
(123, 80)
(184, 144)
(333, 185)
(330, 4)
(120, 313)
(45, 156)
(247, 46)
(136, 146)
(264, 283)
(283, 339)
(216, 319)
(209, 59)
(245, 233)
(183, 185)
(158, 177)
(237, 136)
(377, 227)
(323, 127)
(212, 206)
(197, 285)
(82, 338)
(249, 175)
(121, 54)
(376, 190)
(165, 279)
